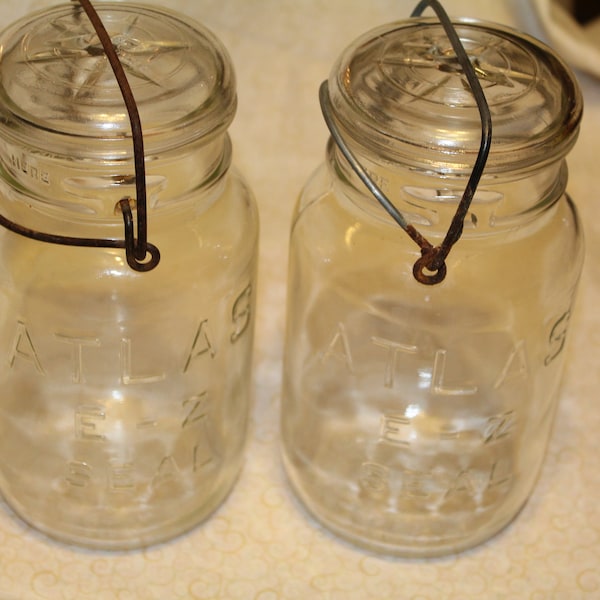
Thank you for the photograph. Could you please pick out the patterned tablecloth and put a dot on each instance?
(260, 545)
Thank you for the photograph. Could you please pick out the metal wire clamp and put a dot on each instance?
(141, 255)
(430, 268)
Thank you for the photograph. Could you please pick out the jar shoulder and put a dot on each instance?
(203, 237)
(334, 234)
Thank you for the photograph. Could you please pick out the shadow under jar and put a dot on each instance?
(125, 394)
(415, 417)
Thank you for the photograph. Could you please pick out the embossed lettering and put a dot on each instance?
(558, 337)
(393, 348)
(167, 471)
(22, 347)
(396, 429)
(203, 453)
(196, 409)
(340, 338)
(516, 365)
(202, 345)
(462, 483)
(88, 420)
(374, 478)
(402, 430)
(414, 483)
(438, 377)
(79, 474)
(241, 313)
(120, 477)
(78, 344)
(381, 180)
(22, 164)
(438, 486)
(126, 367)
(499, 426)
(500, 474)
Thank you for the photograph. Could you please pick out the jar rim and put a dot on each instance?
(398, 93)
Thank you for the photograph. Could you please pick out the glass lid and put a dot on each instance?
(400, 93)
(55, 77)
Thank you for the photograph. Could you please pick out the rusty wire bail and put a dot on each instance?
(141, 255)
(430, 268)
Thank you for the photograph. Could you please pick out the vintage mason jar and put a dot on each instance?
(125, 394)
(415, 417)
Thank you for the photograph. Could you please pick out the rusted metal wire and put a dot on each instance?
(141, 256)
(138, 249)
(430, 268)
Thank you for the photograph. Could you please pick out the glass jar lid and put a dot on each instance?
(399, 93)
(56, 82)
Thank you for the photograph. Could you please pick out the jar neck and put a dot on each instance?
(89, 189)
(428, 199)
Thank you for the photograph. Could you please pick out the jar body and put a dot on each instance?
(415, 418)
(125, 394)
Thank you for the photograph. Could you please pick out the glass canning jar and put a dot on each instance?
(125, 394)
(415, 417)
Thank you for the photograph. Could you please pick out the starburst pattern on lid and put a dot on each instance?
(427, 67)
(56, 77)
(86, 64)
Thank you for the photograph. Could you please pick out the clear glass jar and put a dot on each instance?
(415, 417)
(125, 394)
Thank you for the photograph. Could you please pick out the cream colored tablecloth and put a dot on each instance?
(260, 545)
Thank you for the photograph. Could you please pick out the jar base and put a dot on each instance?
(123, 538)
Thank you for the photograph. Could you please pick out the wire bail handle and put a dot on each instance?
(430, 268)
(141, 255)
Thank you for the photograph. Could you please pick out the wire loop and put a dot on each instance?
(430, 268)
(141, 256)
